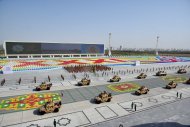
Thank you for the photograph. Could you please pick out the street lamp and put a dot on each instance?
(109, 52)
(157, 45)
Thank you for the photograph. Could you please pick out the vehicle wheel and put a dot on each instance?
(56, 110)
(37, 89)
(42, 112)
(60, 103)
(138, 94)
(109, 100)
(48, 88)
(145, 92)
(97, 102)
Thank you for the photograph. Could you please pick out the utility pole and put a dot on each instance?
(109, 52)
(157, 45)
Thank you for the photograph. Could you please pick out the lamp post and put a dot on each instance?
(109, 52)
(157, 45)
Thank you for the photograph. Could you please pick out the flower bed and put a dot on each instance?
(123, 87)
(29, 101)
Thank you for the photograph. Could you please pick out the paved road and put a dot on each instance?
(175, 114)
(88, 93)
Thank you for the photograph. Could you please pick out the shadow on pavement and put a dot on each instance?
(163, 124)
(92, 101)
(133, 93)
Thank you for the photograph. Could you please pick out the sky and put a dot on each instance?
(132, 23)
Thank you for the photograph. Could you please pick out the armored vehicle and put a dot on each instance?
(161, 73)
(181, 71)
(171, 84)
(142, 90)
(115, 78)
(50, 107)
(142, 76)
(44, 86)
(84, 82)
(103, 97)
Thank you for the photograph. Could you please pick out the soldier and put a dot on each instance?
(135, 107)
(180, 96)
(132, 104)
(54, 123)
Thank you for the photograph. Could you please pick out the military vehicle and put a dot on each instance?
(103, 97)
(181, 71)
(50, 107)
(161, 73)
(115, 78)
(44, 86)
(142, 90)
(188, 81)
(84, 82)
(142, 76)
(171, 84)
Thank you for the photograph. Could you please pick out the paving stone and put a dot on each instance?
(106, 112)
(93, 115)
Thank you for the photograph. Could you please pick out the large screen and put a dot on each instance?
(53, 48)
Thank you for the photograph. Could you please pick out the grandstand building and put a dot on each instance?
(51, 50)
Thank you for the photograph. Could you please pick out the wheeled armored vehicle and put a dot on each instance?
(115, 78)
(103, 97)
(142, 90)
(171, 84)
(181, 71)
(44, 86)
(50, 107)
(161, 73)
(142, 76)
(84, 82)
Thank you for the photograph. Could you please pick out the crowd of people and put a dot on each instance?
(86, 68)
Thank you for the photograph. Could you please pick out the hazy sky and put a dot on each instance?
(133, 23)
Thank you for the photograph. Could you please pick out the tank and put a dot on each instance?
(44, 86)
(142, 76)
(103, 97)
(50, 107)
(142, 90)
(161, 73)
(84, 82)
(181, 71)
(171, 85)
(115, 78)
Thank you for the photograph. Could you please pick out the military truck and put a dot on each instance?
(142, 76)
(50, 107)
(171, 85)
(161, 73)
(44, 86)
(103, 97)
(84, 82)
(115, 78)
(142, 90)
(181, 71)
